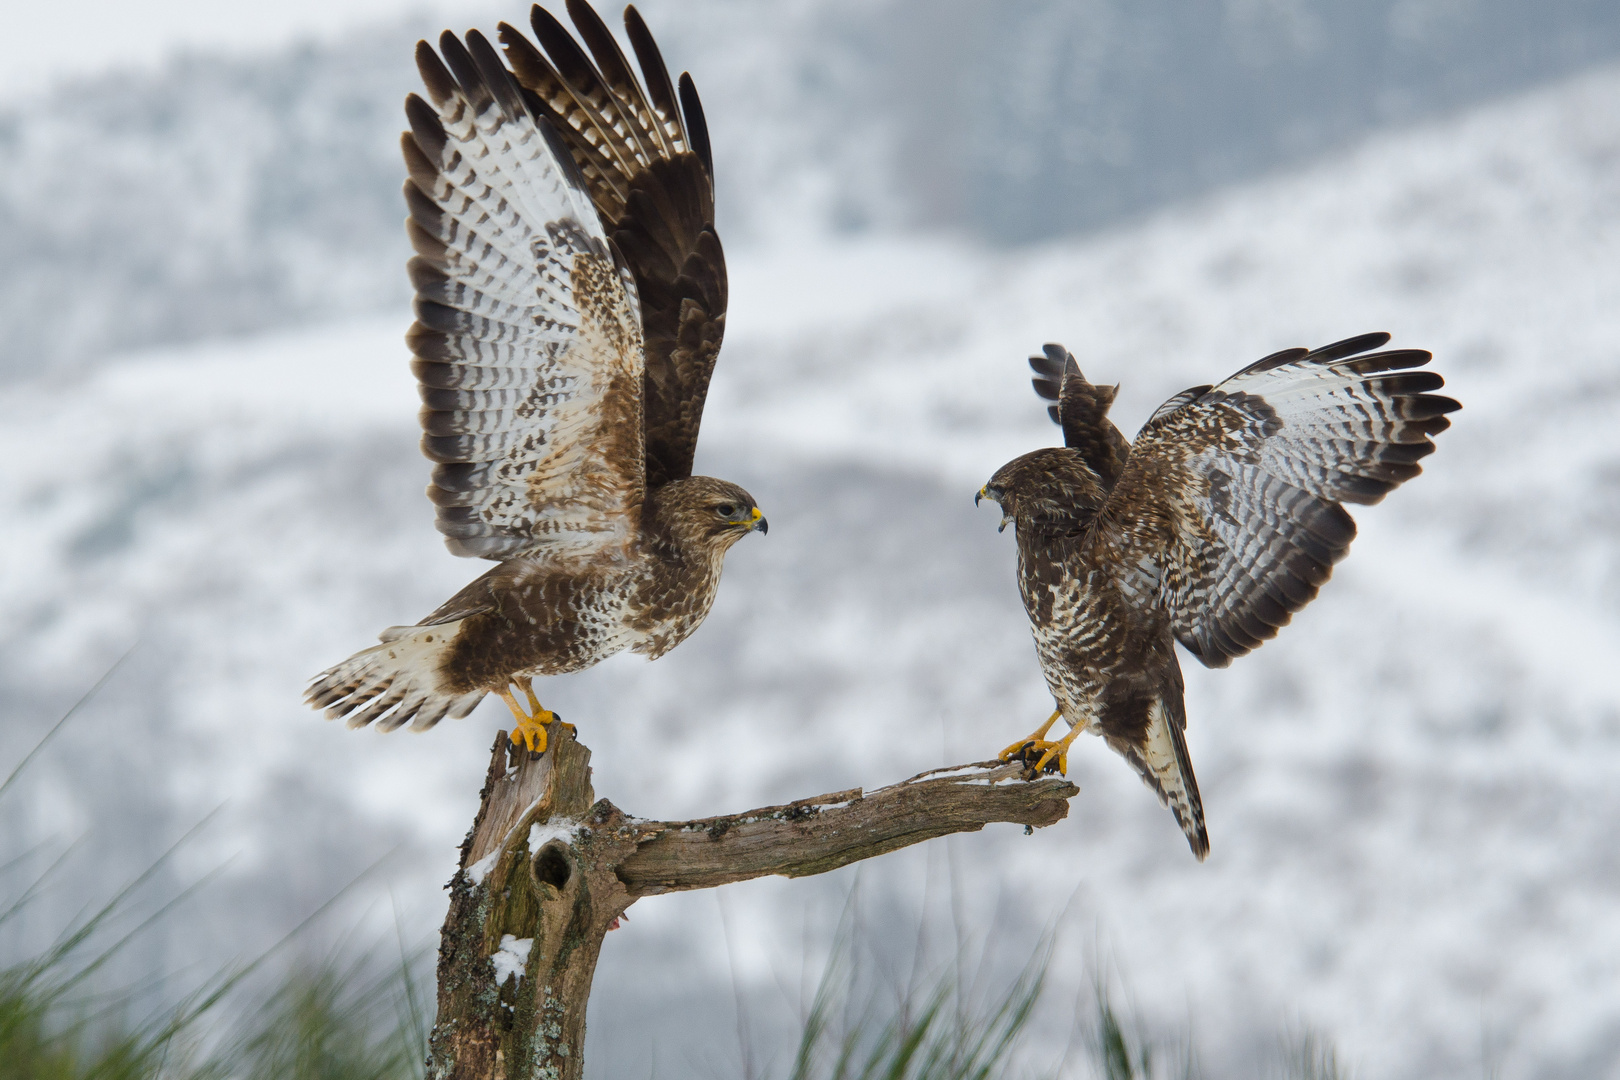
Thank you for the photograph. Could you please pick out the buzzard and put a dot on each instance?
(570, 300)
(1222, 520)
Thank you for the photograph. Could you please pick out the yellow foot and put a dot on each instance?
(1043, 757)
(538, 711)
(530, 733)
(1021, 748)
(530, 729)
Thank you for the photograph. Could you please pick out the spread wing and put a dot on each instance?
(527, 344)
(644, 154)
(1081, 411)
(1229, 510)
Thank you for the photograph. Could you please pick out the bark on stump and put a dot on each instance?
(546, 870)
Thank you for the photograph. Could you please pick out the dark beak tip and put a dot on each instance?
(764, 526)
(977, 495)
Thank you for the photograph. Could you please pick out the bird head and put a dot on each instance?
(1049, 489)
(703, 511)
(997, 494)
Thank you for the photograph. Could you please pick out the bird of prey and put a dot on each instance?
(1222, 520)
(570, 300)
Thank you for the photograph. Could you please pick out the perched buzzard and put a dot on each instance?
(1221, 521)
(570, 299)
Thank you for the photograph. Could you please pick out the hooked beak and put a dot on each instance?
(994, 494)
(756, 522)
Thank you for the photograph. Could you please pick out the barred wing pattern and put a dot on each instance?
(643, 153)
(527, 340)
(1229, 511)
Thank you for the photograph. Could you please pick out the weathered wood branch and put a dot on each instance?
(546, 871)
(813, 836)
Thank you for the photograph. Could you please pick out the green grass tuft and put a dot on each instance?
(935, 1033)
(323, 1020)
(330, 1022)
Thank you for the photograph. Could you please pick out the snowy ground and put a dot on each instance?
(1410, 793)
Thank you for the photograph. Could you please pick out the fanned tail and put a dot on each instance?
(392, 683)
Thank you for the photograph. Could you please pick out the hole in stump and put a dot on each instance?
(551, 866)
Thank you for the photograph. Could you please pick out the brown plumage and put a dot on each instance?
(571, 297)
(1221, 521)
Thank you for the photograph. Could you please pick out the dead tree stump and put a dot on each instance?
(546, 871)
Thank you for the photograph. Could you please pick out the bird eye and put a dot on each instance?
(725, 509)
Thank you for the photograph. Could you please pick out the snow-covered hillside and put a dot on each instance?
(1411, 792)
(219, 193)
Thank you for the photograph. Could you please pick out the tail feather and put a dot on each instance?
(1161, 759)
(393, 683)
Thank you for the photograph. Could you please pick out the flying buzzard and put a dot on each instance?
(570, 299)
(1221, 521)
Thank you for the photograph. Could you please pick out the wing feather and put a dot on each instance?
(1081, 411)
(1230, 510)
(643, 150)
(646, 128)
(584, 84)
(527, 344)
(661, 94)
(549, 95)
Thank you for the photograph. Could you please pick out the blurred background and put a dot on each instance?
(211, 472)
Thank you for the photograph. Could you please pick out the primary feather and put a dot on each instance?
(645, 159)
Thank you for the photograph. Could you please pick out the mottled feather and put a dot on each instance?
(552, 212)
(1221, 520)
(1230, 508)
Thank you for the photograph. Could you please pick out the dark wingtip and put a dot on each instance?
(545, 23)
(426, 129)
(461, 65)
(1350, 347)
(435, 76)
(494, 73)
(697, 128)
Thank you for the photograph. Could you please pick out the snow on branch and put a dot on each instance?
(546, 871)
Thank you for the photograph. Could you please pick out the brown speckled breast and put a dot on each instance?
(671, 598)
(536, 618)
(1106, 658)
